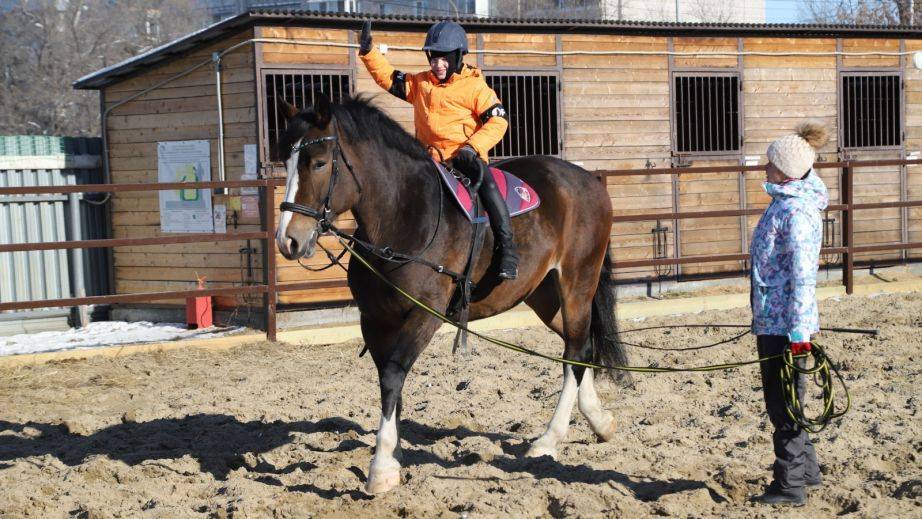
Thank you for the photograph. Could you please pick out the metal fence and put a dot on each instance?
(39, 161)
(270, 286)
(847, 207)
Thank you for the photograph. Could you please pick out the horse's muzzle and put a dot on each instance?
(293, 247)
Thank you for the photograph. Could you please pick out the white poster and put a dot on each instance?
(220, 219)
(249, 168)
(185, 210)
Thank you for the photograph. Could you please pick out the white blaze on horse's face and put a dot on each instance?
(303, 246)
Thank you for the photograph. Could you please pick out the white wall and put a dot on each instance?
(741, 11)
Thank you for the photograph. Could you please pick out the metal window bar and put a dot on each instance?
(706, 108)
(298, 89)
(870, 110)
(531, 102)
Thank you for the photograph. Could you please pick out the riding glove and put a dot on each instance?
(467, 155)
(365, 39)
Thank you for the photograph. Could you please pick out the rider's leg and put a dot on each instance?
(500, 223)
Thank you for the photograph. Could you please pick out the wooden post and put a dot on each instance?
(269, 253)
(848, 228)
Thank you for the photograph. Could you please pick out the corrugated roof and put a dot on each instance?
(475, 24)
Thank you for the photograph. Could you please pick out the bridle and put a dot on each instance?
(324, 215)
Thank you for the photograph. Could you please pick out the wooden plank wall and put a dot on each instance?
(878, 184)
(913, 111)
(616, 114)
(283, 56)
(709, 192)
(779, 92)
(182, 110)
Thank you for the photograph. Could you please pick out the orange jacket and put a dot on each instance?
(463, 110)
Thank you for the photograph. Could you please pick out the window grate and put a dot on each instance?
(706, 113)
(532, 105)
(298, 89)
(870, 116)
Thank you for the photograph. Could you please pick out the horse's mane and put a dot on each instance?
(358, 120)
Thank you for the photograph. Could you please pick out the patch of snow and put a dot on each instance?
(104, 333)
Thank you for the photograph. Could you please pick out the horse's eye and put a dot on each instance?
(319, 164)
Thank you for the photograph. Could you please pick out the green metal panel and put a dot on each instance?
(40, 218)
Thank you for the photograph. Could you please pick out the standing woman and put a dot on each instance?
(785, 257)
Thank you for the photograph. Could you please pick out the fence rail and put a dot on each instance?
(847, 208)
(270, 287)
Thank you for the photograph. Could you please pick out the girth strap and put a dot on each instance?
(466, 284)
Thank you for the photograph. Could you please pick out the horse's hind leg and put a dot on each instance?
(564, 309)
(394, 350)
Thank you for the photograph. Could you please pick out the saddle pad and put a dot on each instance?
(519, 196)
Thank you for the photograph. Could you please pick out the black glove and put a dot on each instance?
(467, 155)
(467, 160)
(365, 39)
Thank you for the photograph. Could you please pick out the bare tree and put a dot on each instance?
(46, 45)
(863, 12)
(710, 11)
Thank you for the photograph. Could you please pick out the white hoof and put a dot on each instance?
(383, 481)
(606, 431)
(540, 448)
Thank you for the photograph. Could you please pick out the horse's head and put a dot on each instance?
(317, 189)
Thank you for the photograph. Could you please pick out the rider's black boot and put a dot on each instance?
(500, 223)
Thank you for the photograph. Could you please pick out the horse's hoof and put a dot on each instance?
(381, 482)
(537, 450)
(606, 432)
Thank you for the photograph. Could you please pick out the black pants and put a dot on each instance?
(795, 458)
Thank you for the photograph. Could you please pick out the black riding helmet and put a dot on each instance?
(447, 39)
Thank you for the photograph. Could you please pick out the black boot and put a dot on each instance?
(775, 495)
(500, 223)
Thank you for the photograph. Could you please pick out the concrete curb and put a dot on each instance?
(321, 335)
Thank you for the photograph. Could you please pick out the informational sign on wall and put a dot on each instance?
(185, 210)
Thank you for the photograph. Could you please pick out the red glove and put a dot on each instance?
(800, 348)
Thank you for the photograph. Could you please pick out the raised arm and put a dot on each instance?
(385, 75)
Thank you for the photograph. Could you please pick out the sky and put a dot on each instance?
(782, 11)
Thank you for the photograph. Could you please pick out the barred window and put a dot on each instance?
(532, 107)
(706, 113)
(870, 115)
(298, 89)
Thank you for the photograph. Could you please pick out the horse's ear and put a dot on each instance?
(287, 110)
(323, 108)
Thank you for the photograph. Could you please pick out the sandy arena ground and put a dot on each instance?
(287, 431)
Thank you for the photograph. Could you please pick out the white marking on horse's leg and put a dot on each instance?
(601, 421)
(384, 473)
(546, 444)
(291, 190)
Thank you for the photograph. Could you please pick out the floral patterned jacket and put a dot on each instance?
(785, 254)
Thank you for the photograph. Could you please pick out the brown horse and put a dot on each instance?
(353, 157)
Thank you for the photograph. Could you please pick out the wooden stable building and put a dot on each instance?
(605, 95)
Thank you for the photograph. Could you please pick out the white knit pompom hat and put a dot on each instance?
(794, 154)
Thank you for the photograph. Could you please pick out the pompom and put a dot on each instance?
(814, 133)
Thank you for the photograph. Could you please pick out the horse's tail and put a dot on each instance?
(606, 345)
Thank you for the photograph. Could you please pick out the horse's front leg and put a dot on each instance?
(546, 444)
(394, 352)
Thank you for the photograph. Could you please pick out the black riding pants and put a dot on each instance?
(795, 458)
